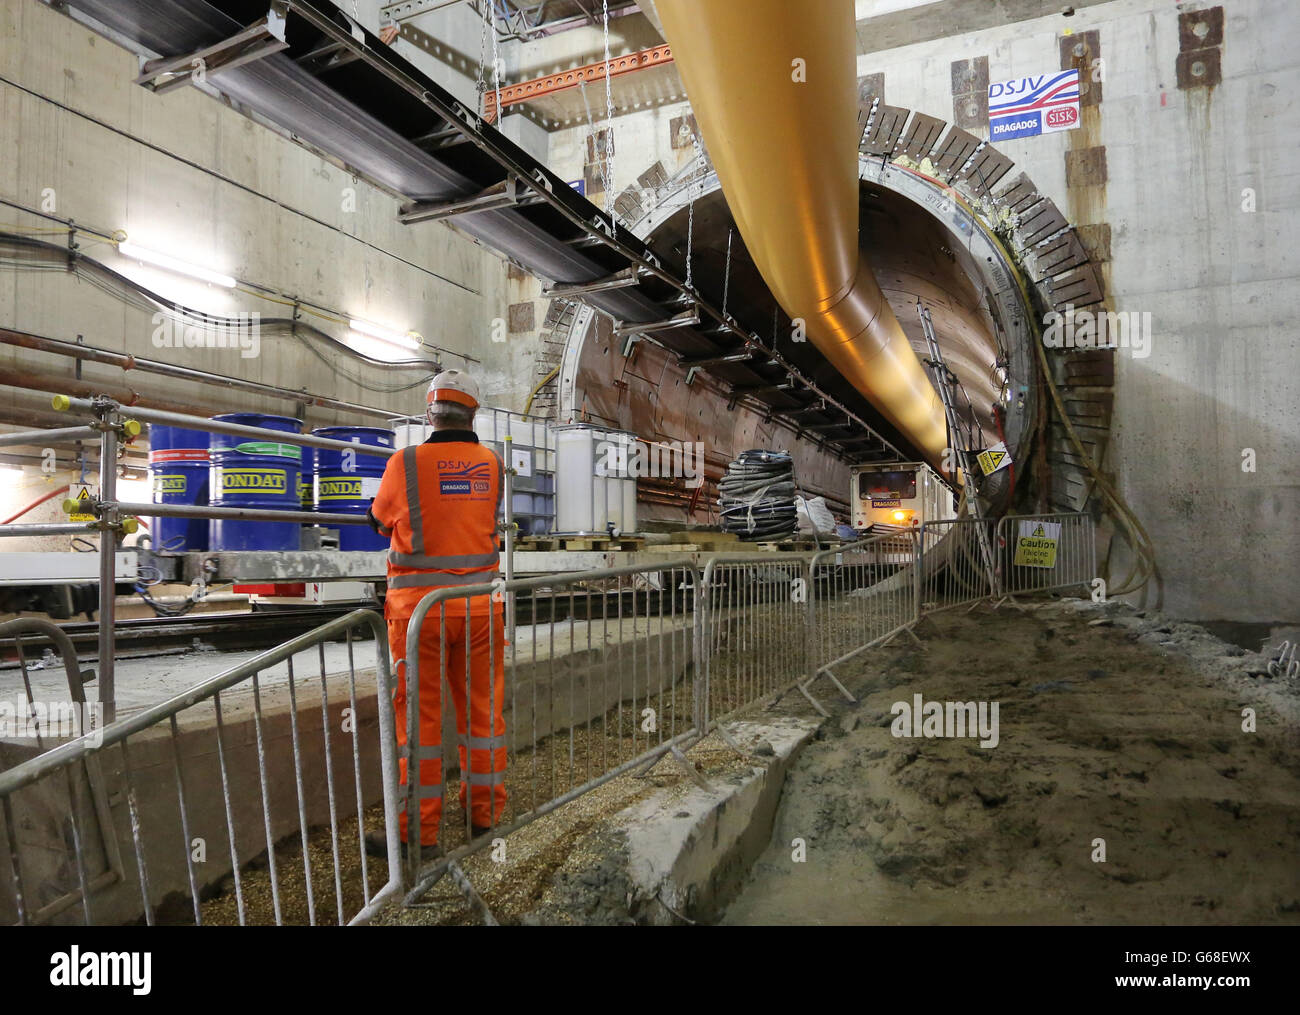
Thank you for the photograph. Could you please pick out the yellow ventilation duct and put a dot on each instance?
(774, 88)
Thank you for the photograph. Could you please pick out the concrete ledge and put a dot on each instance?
(693, 849)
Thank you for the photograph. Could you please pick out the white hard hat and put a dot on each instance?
(453, 386)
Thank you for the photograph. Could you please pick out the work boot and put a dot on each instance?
(475, 831)
(377, 845)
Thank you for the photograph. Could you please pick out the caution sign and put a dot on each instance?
(994, 458)
(1036, 545)
(84, 495)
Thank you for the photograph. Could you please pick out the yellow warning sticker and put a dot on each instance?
(1036, 545)
(84, 495)
(994, 458)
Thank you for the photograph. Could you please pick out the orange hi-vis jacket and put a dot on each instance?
(438, 503)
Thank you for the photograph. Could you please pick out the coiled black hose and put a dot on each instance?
(756, 499)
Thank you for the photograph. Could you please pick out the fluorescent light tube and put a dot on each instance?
(408, 340)
(173, 264)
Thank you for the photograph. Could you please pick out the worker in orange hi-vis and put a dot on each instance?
(438, 504)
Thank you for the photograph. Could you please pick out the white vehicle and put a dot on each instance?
(898, 495)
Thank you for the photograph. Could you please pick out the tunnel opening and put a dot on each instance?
(925, 247)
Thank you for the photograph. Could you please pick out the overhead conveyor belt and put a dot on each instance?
(340, 90)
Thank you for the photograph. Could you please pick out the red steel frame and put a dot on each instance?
(572, 78)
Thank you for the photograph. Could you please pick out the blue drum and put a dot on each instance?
(255, 472)
(178, 474)
(346, 481)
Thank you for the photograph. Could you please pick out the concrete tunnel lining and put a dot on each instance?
(938, 254)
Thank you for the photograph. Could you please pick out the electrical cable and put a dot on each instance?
(757, 496)
(1144, 566)
(35, 504)
(134, 294)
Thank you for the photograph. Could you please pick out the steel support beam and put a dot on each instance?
(686, 319)
(258, 40)
(619, 280)
(698, 362)
(525, 91)
(510, 194)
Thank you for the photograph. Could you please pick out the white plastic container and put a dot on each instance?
(532, 455)
(594, 485)
(408, 430)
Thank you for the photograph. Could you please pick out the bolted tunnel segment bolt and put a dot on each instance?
(61, 402)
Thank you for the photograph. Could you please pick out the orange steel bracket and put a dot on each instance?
(572, 78)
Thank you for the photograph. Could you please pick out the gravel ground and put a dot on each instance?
(536, 855)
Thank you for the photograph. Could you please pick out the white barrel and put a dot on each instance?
(594, 484)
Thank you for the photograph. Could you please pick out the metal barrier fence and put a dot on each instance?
(757, 635)
(610, 671)
(952, 569)
(602, 678)
(170, 764)
(46, 716)
(1045, 553)
(861, 595)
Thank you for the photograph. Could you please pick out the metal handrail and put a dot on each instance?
(185, 422)
(14, 779)
(87, 748)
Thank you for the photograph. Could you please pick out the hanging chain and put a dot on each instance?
(608, 179)
(690, 238)
(496, 62)
(480, 83)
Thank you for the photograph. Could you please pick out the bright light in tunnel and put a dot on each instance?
(874, 8)
(405, 340)
(170, 263)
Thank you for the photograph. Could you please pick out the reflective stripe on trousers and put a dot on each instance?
(467, 642)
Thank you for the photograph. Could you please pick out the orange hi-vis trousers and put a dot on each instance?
(484, 741)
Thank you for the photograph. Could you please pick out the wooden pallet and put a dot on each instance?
(600, 544)
(787, 546)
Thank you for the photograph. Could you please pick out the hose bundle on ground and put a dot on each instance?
(757, 496)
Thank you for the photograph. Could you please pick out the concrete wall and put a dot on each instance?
(183, 174)
(1218, 280)
(641, 139)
